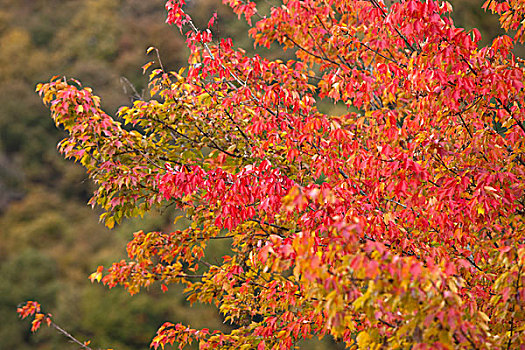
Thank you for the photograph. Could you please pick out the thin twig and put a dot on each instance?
(66, 334)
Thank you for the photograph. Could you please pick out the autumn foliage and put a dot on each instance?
(398, 224)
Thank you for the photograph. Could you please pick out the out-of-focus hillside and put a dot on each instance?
(50, 241)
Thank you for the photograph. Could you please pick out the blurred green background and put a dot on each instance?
(50, 241)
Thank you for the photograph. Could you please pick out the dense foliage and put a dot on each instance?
(398, 223)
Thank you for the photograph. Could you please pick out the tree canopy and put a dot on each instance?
(396, 224)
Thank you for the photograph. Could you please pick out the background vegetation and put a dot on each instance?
(50, 241)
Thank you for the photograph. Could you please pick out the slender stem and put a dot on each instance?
(66, 334)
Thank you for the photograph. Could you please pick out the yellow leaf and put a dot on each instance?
(363, 340)
(452, 286)
(205, 99)
(484, 316)
(146, 66)
(281, 334)
(177, 219)
(481, 210)
(110, 222)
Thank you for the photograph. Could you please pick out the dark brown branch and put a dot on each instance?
(310, 52)
(506, 108)
(271, 225)
(383, 56)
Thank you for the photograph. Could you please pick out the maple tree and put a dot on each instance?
(398, 224)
